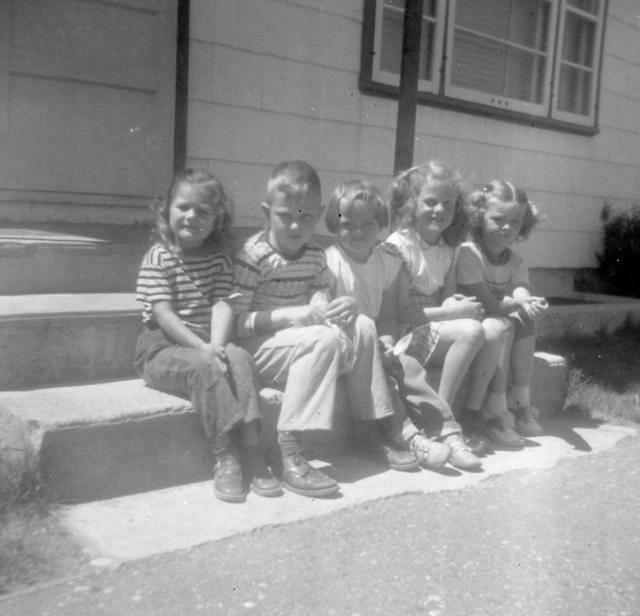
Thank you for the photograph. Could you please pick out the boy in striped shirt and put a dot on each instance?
(301, 338)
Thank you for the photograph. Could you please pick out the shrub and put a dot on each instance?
(619, 261)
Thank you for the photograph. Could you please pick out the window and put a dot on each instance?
(527, 60)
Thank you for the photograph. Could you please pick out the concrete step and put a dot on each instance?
(66, 338)
(70, 258)
(181, 517)
(103, 440)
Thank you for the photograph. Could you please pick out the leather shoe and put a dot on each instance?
(461, 455)
(431, 454)
(397, 459)
(471, 423)
(527, 421)
(300, 477)
(227, 479)
(262, 482)
(376, 445)
(498, 431)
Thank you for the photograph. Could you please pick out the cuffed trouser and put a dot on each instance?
(419, 401)
(305, 362)
(221, 399)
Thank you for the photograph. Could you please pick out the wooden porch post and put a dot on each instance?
(408, 93)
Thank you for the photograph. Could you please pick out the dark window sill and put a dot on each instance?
(368, 86)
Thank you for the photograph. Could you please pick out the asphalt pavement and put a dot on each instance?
(535, 541)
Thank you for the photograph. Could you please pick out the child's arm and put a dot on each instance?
(256, 323)
(387, 322)
(221, 323)
(175, 329)
(454, 307)
(534, 306)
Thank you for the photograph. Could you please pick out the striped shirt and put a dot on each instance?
(265, 279)
(192, 285)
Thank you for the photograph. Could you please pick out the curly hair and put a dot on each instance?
(346, 193)
(406, 187)
(210, 191)
(508, 193)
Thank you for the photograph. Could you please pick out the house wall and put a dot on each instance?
(86, 108)
(278, 79)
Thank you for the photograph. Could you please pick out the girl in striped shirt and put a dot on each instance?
(183, 285)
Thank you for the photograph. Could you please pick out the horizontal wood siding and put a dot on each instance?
(278, 79)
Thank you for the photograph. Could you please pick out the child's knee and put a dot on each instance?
(497, 330)
(365, 327)
(471, 332)
(237, 354)
(204, 370)
(321, 339)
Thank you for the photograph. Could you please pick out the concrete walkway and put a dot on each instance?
(141, 525)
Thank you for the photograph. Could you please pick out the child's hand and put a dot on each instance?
(342, 310)
(464, 307)
(302, 316)
(218, 353)
(534, 307)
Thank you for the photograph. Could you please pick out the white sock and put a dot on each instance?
(519, 397)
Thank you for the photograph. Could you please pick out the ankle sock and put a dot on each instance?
(519, 397)
(289, 444)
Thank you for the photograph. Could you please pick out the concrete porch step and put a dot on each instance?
(66, 338)
(70, 258)
(109, 439)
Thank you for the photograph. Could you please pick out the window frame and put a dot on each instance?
(517, 113)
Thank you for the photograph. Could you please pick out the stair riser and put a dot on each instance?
(93, 462)
(96, 461)
(64, 269)
(70, 349)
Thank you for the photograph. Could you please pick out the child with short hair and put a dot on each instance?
(492, 271)
(364, 269)
(449, 330)
(184, 283)
(284, 308)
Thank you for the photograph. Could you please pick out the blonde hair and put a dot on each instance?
(293, 177)
(405, 189)
(347, 193)
(508, 193)
(211, 192)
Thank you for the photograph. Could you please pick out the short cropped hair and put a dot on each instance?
(405, 189)
(293, 177)
(508, 193)
(346, 194)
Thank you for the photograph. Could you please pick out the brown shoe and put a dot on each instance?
(472, 432)
(461, 455)
(499, 433)
(227, 478)
(300, 477)
(527, 421)
(262, 482)
(370, 439)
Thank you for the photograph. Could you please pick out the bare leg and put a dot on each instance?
(487, 371)
(522, 361)
(459, 343)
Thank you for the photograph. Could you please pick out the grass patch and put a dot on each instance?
(34, 547)
(604, 373)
